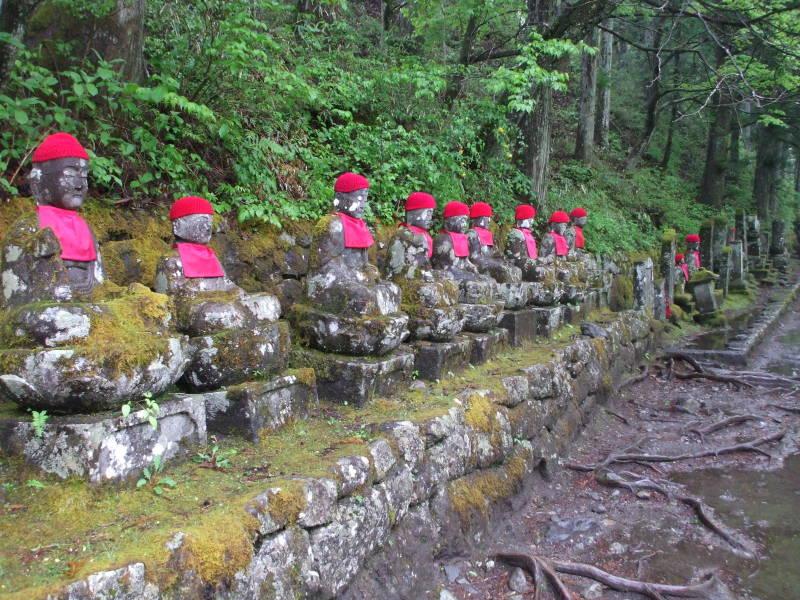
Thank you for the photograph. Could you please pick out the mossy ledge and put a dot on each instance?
(308, 510)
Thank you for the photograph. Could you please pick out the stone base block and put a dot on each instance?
(257, 407)
(574, 313)
(521, 326)
(108, 447)
(434, 360)
(480, 318)
(548, 320)
(485, 346)
(356, 380)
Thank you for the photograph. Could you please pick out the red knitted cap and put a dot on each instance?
(524, 211)
(456, 209)
(559, 217)
(578, 212)
(190, 205)
(692, 238)
(480, 209)
(350, 182)
(417, 200)
(678, 258)
(59, 145)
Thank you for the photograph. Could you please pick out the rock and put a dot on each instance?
(593, 331)
(563, 529)
(593, 591)
(599, 509)
(480, 318)
(617, 548)
(418, 385)
(445, 595)
(517, 581)
(433, 360)
(351, 472)
(383, 458)
(452, 572)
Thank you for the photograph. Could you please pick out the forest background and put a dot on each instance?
(649, 113)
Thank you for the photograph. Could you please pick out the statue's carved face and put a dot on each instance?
(457, 224)
(526, 223)
(62, 182)
(421, 218)
(580, 221)
(193, 228)
(559, 228)
(351, 203)
(693, 245)
(481, 222)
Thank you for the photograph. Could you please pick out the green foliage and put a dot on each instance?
(150, 476)
(214, 457)
(39, 421)
(150, 408)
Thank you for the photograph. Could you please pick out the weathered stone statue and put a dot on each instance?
(235, 335)
(554, 244)
(693, 252)
(574, 233)
(347, 307)
(75, 343)
(521, 247)
(682, 268)
(451, 254)
(431, 301)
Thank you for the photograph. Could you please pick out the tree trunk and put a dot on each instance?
(604, 84)
(668, 144)
(768, 163)
(584, 142)
(712, 188)
(13, 19)
(734, 158)
(537, 138)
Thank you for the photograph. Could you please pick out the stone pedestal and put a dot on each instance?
(485, 346)
(521, 326)
(643, 285)
(667, 265)
(724, 270)
(659, 300)
(548, 320)
(705, 299)
(257, 407)
(107, 446)
(434, 359)
(719, 242)
(737, 274)
(355, 380)
(574, 313)
(754, 252)
(777, 249)
(480, 318)
(707, 245)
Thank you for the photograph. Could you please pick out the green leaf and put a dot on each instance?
(168, 481)
(141, 482)
(126, 410)
(158, 491)
(21, 116)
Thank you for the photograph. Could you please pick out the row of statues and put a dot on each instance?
(203, 330)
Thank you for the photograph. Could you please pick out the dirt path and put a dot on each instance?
(734, 515)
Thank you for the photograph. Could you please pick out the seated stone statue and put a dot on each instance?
(574, 233)
(693, 252)
(75, 343)
(430, 302)
(235, 336)
(554, 244)
(347, 307)
(682, 268)
(522, 251)
(451, 257)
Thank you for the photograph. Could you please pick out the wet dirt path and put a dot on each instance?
(643, 535)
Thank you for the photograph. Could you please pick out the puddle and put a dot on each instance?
(764, 505)
(717, 339)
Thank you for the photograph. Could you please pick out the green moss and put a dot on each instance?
(621, 296)
(480, 412)
(720, 221)
(727, 249)
(668, 236)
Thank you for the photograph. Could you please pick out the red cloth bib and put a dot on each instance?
(199, 261)
(428, 238)
(460, 244)
(669, 308)
(71, 230)
(356, 234)
(529, 242)
(562, 247)
(696, 258)
(685, 269)
(485, 236)
(580, 241)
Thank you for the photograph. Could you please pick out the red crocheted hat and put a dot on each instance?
(480, 209)
(59, 145)
(678, 258)
(578, 212)
(190, 205)
(524, 211)
(350, 182)
(417, 200)
(456, 209)
(559, 217)
(692, 238)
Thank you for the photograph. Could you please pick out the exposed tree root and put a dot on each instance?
(536, 565)
(657, 591)
(735, 420)
(791, 409)
(645, 372)
(714, 377)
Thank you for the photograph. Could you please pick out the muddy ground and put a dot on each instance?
(642, 534)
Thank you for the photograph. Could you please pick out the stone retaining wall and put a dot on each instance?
(422, 490)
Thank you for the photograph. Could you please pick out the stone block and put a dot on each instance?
(355, 380)
(485, 346)
(521, 326)
(434, 359)
(659, 300)
(643, 285)
(548, 320)
(108, 447)
(574, 313)
(261, 406)
(480, 318)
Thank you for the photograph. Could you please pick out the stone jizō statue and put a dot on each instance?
(235, 336)
(347, 307)
(574, 233)
(451, 255)
(430, 300)
(554, 243)
(79, 344)
(693, 252)
(682, 267)
(521, 248)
